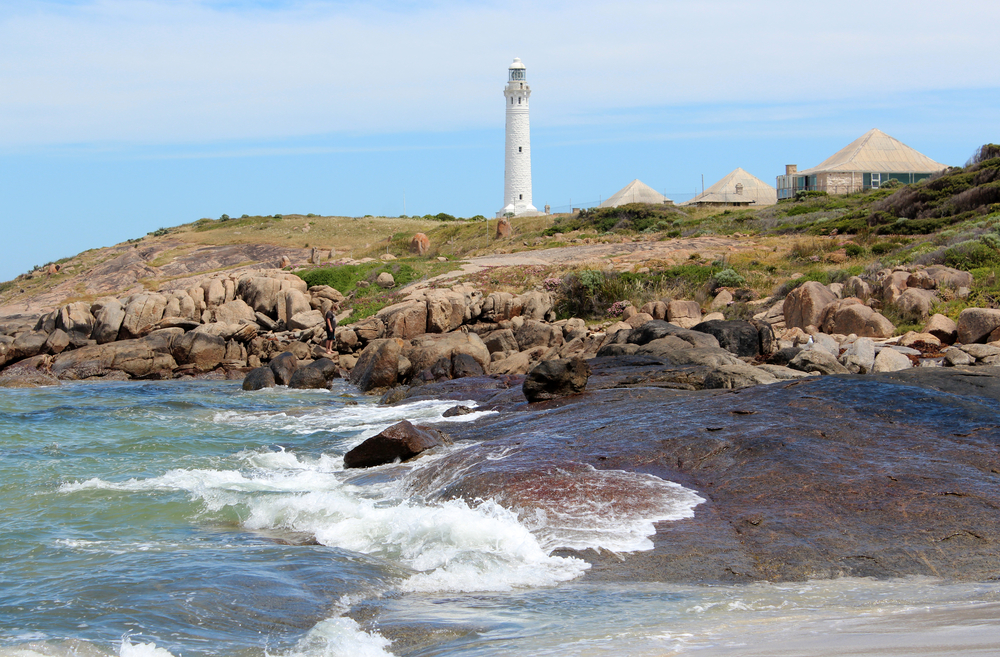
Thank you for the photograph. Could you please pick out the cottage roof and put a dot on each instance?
(635, 192)
(876, 152)
(737, 187)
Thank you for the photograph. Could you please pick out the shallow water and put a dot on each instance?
(195, 518)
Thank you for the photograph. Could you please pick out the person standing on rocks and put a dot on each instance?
(331, 327)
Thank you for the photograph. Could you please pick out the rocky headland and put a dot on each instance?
(823, 444)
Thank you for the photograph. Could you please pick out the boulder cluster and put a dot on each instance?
(229, 326)
(218, 327)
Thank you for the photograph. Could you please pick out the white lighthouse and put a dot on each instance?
(517, 165)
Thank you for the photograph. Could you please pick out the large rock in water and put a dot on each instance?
(143, 358)
(378, 365)
(259, 378)
(885, 475)
(283, 366)
(556, 378)
(401, 441)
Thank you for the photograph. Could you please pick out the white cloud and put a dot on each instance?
(173, 72)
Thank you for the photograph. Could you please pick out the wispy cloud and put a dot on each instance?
(170, 72)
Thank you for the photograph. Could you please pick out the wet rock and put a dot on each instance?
(400, 442)
(823, 477)
(283, 366)
(316, 374)
(29, 373)
(259, 378)
(456, 411)
(738, 337)
(556, 378)
(378, 365)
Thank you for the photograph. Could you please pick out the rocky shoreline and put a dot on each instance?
(822, 446)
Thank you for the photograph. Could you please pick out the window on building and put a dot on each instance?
(518, 100)
(876, 180)
(518, 149)
(520, 197)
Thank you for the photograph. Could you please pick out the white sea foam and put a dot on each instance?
(452, 546)
(603, 509)
(339, 637)
(129, 649)
(364, 420)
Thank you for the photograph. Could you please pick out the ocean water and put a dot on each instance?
(193, 518)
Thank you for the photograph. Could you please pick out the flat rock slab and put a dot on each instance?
(849, 475)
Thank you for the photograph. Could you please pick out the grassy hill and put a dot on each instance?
(952, 218)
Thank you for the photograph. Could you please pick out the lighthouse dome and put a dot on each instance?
(517, 63)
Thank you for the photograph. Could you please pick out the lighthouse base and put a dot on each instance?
(522, 210)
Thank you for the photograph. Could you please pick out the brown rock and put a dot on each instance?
(657, 309)
(638, 319)
(943, 328)
(378, 365)
(201, 349)
(404, 320)
(259, 378)
(846, 316)
(141, 313)
(915, 303)
(504, 229)
(136, 358)
(420, 244)
(401, 441)
(533, 333)
(369, 329)
(446, 310)
(58, 342)
(76, 318)
(805, 304)
(109, 313)
(233, 312)
(437, 357)
(949, 277)
(684, 313)
(976, 324)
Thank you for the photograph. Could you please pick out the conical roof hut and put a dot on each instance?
(739, 188)
(636, 192)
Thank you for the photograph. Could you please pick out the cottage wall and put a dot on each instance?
(837, 182)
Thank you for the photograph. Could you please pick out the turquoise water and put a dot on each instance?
(193, 518)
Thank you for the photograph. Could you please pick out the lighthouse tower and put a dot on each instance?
(517, 166)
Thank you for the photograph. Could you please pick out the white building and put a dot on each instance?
(517, 165)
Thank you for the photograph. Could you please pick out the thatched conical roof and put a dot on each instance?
(636, 192)
(876, 152)
(737, 187)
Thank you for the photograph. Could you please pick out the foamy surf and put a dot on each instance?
(361, 421)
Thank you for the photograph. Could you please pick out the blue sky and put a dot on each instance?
(118, 117)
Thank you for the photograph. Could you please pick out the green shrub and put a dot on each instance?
(729, 278)
(882, 248)
(854, 250)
